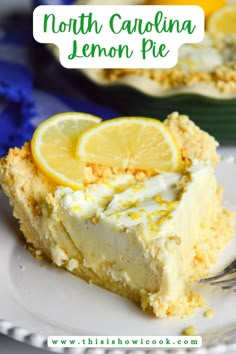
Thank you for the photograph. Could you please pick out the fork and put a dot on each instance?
(229, 283)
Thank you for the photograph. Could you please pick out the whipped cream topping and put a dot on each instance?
(211, 52)
(164, 185)
(134, 203)
(203, 56)
(88, 201)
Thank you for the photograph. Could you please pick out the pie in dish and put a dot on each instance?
(144, 237)
(211, 62)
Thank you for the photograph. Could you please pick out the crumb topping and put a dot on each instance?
(189, 331)
(209, 313)
(193, 142)
(223, 77)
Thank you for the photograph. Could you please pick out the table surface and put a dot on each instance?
(8, 345)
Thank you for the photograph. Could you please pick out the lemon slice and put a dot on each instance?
(130, 142)
(223, 20)
(208, 6)
(53, 147)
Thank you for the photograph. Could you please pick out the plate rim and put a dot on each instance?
(37, 340)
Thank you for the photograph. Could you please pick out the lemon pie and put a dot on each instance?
(210, 63)
(146, 232)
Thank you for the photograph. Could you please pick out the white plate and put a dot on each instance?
(38, 301)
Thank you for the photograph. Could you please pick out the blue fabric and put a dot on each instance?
(53, 2)
(23, 105)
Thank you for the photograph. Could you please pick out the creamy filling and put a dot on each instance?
(142, 233)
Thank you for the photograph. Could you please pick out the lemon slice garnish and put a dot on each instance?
(208, 6)
(223, 20)
(130, 143)
(53, 147)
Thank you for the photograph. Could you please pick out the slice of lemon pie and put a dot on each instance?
(129, 204)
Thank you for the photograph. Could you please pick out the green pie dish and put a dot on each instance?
(209, 109)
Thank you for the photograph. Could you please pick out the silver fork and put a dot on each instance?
(229, 283)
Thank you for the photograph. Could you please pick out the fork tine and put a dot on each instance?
(215, 277)
(225, 281)
(231, 268)
(229, 287)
